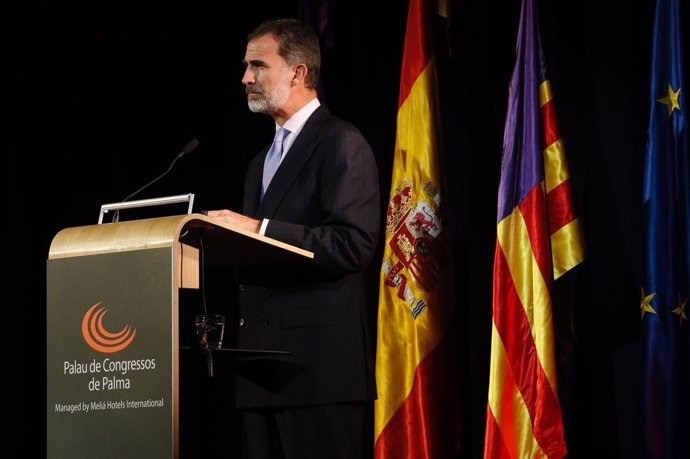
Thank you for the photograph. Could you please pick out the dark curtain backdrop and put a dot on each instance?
(103, 95)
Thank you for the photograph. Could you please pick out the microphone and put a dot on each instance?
(188, 148)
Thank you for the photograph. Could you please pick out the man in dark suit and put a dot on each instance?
(324, 197)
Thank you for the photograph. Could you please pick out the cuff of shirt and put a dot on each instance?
(262, 229)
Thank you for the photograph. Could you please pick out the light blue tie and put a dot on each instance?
(273, 159)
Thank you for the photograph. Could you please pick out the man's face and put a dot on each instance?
(266, 77)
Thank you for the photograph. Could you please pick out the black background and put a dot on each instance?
(103, 95)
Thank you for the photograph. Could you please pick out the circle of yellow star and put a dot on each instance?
(646, 304)
(680, 311)
(671, 100)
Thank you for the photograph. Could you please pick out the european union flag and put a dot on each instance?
(666, 213)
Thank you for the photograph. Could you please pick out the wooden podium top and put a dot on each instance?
(222, 243)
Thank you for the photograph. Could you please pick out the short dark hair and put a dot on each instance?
(297, 43)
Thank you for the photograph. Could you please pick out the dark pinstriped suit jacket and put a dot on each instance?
(324, 198)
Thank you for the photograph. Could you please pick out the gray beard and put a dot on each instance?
(270, 101)
(259, 106)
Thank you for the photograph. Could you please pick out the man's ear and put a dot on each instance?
(300, 74)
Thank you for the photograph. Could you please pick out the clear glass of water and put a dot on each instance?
(209, 332)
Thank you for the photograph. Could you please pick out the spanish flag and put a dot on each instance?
(416, 416)
(538, 240)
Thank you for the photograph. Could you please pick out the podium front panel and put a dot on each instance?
(112, 340)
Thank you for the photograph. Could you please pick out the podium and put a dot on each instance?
(113, 331)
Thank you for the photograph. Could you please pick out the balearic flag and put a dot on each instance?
(538, 240)
(416, 415)
(666, 215)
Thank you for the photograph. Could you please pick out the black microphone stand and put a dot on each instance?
(188, 148)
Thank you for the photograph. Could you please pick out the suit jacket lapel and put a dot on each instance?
(299, 153)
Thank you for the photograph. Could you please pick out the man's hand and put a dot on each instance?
(235, 219)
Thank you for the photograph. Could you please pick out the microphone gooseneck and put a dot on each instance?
(188, 148)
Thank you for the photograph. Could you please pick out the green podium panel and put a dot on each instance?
(112, 334)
